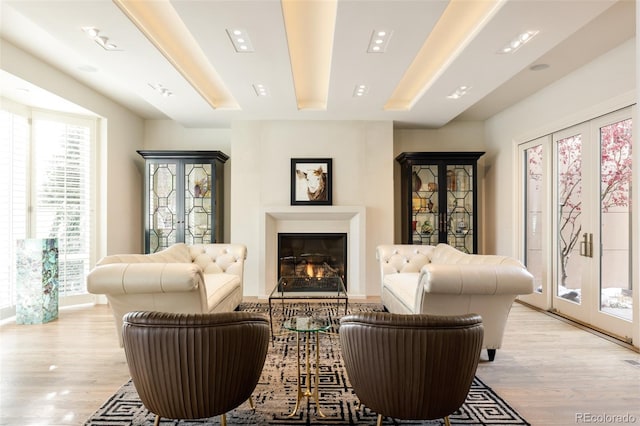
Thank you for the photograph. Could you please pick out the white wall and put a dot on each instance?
(169, 135)
(120, 205)
(604, 85)
(362, 154)
(455, 136)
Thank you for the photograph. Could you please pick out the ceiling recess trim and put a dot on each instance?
(310, 27)
(161, 24)
(458, 25)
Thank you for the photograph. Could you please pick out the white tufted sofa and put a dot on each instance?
(442, 280)
(183, 278)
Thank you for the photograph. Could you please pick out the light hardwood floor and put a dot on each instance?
(550, 371)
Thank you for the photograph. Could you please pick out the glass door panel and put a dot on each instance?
(197, 203)
(574, 215)
(615, 220)
(534, 218)
(163, 210)
(425, 205)
(569, 218)
(460, 207)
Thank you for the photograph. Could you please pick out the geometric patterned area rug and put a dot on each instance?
(275, 395)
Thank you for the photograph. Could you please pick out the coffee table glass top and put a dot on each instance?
(306, 324)
(309, 288)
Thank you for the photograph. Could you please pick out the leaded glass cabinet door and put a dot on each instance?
(162, 214)
(425, 204)
(439, 198)
(183, 201)
(198, 206)
(460, 214)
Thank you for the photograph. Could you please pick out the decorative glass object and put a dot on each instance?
(37, 280)
(427, 228)
(417, 182)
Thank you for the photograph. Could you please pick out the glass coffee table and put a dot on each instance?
(309, 325)
(308, 288)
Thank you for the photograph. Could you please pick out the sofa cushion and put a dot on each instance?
(219, 286)
(403, 287)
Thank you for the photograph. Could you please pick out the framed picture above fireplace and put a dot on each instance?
(311, 181)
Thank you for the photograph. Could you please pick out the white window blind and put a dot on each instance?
(61, 196)
(46, 193)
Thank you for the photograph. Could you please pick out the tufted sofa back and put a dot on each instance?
(211, 258)
(402, 258)
(216, 258)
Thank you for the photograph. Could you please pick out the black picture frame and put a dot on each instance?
(316, 172)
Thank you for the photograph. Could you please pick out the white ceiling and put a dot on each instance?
(571, 34)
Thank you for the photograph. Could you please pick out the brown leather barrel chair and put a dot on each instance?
(411, 367)
(193, 366)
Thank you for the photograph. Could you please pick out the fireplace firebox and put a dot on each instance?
(312, 255)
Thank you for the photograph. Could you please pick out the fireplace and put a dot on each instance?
(350, 220)
(315, 255)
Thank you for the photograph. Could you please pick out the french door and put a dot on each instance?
(577, 222)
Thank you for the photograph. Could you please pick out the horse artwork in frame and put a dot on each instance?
(311, 181)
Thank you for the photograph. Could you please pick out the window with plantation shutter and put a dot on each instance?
(61, 196)
(47, 164)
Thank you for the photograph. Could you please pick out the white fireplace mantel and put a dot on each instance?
(348, 219)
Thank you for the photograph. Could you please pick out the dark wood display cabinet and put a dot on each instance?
(440, 198)
(183, 198)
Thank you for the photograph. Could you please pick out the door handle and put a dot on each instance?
(586, 245)
(444, 225)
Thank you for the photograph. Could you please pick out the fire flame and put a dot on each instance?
(314, 272)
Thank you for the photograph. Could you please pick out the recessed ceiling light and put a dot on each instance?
(260, 89)
(538, 67)
(459, 92)
(518, 41)
(240, 40)
(101, 40)
(91, 32)
(360, 90)
(379, 41)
